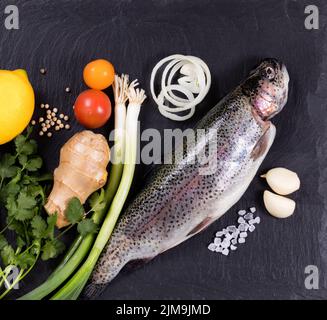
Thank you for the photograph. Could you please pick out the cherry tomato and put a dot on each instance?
(99, 74)
(92, 108)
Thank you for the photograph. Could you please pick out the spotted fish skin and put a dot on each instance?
(179, 201)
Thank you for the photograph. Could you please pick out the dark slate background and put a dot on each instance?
(232, 37)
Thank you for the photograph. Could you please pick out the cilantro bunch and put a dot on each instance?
(23, 191)
(22, 194)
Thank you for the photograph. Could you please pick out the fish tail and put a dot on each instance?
(108, 266)
(92, 291)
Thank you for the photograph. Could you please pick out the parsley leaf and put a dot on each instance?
(8, 255)
(11, 205)
(48, 251)
(20, 242)
(22, 159)
(35, 191)
(25, 260)
(15, 225)
(60, 246)
(19, 143)
(25, 146)
(3, 241)
(33, 164)
(52, 249)
(87, 226)
(10, 190)
(7, 168)
(51, 221)
(75, 211)
(7, 160)
(97, 201)
(25, 201)
(39, 227)
(24, 214)
(25, 208)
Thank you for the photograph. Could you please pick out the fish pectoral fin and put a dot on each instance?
(201, 226)
(261, 147)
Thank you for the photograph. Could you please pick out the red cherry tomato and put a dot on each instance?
(92, 108)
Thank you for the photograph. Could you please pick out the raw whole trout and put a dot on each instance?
(180, 200)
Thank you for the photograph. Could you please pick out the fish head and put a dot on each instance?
(267, 88)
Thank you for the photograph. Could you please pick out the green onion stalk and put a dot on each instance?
(82, 245)
(73, 288)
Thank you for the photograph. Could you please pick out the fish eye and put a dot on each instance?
(270, 72)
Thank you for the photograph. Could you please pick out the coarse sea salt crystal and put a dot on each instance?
(231, 228)
(242, 212)
(251, 228)
(225, 243)
(219, 234)
(248, 216)
(217, 241)
(228, 236)
(242, 227)
(212, 247)
(240, 220)
(236, 233)
(254, 221)
(257, 220)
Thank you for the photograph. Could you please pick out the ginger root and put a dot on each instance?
(82, 170)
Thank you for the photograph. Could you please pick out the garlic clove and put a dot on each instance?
(278, 206)
(282, 180)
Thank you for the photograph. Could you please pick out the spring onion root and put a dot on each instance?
(75, 285)
(81, 246)
(193, 84)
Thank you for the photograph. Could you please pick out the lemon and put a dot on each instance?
(16, 103)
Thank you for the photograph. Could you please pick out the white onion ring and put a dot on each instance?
(194, 86)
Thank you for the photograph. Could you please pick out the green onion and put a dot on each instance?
(81, 246)
(73, 288)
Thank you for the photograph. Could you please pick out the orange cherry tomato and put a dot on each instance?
(92, 108)
(99, 74)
